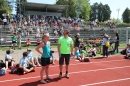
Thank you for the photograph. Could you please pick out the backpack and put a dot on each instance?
(107, 43)
(14, 69)
(123, 52)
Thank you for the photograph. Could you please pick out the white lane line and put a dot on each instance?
(92, 62)
(105, 82)
(87, 63)
(104, 69)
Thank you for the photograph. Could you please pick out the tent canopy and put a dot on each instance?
(29, 6)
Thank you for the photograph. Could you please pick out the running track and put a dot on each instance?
(112, 71)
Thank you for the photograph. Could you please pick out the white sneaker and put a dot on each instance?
(48, 78)
(42, 81)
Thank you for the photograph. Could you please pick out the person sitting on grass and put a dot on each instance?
(31, 58)
(2, 68)
(9, 61)
(28, 42)
(77, 53)
(82, 51)
(92, 51)
(25, 64)
(128, 52)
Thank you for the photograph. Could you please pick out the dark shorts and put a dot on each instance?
(76, 45)
(9, 62)
(45, 61)
(29, 67)
(13, 41)
(65, 57)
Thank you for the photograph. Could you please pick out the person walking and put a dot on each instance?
(65, 50)
(45, 58)
(116, 43)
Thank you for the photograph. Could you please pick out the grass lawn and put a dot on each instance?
(122, 45)
(32, 47)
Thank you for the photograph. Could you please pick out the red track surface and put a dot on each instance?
(112, 71)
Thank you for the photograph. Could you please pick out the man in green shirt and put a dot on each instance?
(65, 50)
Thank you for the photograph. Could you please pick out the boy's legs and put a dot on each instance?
(36, 60)
(6, 63)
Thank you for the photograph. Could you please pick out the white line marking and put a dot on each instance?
(69, 73)
(89, 63)
(93, 62)
(105, 82)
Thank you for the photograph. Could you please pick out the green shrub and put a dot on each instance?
(123, 25)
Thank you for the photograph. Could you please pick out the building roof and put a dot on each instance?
(29, 6)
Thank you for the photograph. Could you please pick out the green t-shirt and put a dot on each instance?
(14, 38)
(65, 45)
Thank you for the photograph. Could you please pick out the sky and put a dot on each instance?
(113, 4)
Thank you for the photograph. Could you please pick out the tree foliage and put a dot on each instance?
(83, 8)
(20, 6)
(5, 7)
(126, 15)
(76, 8)
(100, 12)
(70, 11)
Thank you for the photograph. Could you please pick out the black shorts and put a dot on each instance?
(29, 67)
(66, 57)
(45, 61)
(9, 62)
(5, 23)
(77, 45)
(13, 41)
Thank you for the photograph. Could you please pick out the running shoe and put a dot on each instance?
(67, 75)
(60, 76)
(43, 82)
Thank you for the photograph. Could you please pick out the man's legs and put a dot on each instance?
(67, 61)
(61, 62)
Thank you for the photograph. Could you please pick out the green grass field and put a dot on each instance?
(122, 45)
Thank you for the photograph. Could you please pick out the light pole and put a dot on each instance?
(118, 14)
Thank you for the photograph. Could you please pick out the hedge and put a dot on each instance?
(118, 25)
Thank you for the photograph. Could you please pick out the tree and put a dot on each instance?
(100, 12)
(70, 11)
(126, 15)
(20, 6)
(5, 7)
(82, 9)
(76, 8)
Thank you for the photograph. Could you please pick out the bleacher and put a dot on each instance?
(84, 34)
